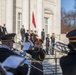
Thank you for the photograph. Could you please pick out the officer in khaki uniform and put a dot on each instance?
(38, 54)
(68, 63)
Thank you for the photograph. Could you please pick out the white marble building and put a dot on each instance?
(15, 13)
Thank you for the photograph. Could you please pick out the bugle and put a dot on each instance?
(62, 47)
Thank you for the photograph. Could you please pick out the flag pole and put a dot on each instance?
(29, 14)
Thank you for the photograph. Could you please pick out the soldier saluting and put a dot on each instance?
(38, 54)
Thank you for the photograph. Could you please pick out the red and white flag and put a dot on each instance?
(33, 20)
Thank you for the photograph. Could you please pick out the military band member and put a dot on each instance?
(68, 63)
(5, 52)
(38, 54)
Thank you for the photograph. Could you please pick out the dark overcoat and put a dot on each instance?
(20, 70)
(37, 55)
(68, 64)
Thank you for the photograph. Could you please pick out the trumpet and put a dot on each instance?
(63, 48)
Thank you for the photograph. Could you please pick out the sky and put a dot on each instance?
(67, 4)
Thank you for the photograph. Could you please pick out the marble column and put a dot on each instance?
(0, 12)
(58, 17)
(9, 15)
(39, 16)
(25, 14)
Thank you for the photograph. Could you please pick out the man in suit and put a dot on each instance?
(26, 36)
(5, 52)
(4, 29)
(43, 35)
(22, 31)
(47, 43)
(52, 43)
(68, 63)
(38, 55)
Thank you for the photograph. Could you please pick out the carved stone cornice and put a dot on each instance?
(48, 11)
(52, 1)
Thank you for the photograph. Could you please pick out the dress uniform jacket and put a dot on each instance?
(68, 64)
(38, 55)
(5, 52)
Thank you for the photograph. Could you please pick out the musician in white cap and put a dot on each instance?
(6, 53)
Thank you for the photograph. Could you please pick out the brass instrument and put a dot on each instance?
(62, 47)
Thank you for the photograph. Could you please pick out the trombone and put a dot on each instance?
(63, 48)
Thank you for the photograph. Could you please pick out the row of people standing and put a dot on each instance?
(52, 43)
(26, 34)
(32, 35)
(68, 62)
(47, 39)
